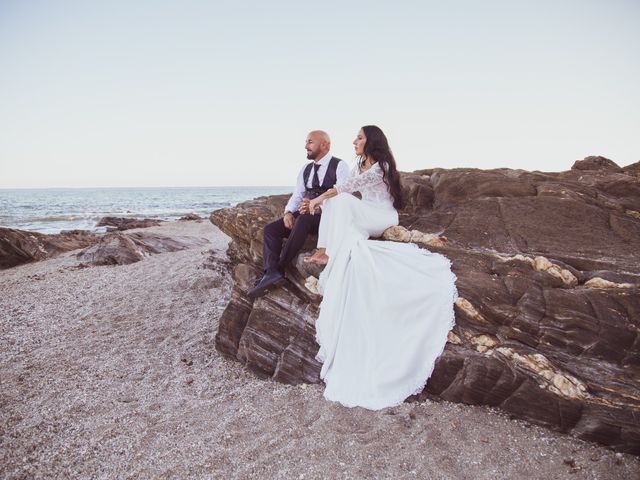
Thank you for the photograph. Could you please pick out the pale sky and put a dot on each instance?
(206, 93)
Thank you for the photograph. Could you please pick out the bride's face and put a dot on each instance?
(359, 142)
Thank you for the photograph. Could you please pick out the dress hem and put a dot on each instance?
(417, 386)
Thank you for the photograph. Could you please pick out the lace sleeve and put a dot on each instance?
(361, 182)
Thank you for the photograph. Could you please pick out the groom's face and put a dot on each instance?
(313, 146)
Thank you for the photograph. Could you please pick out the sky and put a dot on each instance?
(208, 93)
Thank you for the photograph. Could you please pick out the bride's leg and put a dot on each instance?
(338, 233)
(320, 256)
(332, 212)
(337, 218)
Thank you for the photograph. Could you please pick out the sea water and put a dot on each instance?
(50, 210)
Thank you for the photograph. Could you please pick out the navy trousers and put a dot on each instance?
(276, 257)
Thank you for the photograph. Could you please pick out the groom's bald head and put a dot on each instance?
(321, 134)
(318, 144)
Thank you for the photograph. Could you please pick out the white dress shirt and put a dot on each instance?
(342, 173)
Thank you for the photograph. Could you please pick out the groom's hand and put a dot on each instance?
(304, 206)
(288, 220)
(314, 206)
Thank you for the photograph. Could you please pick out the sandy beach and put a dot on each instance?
(111, 372)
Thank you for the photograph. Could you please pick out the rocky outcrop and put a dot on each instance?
(633, 169)
(120, 249)
(118, 223)
(597, 163)
(191, 216)
(20, 246)
(113, 248)
(548, 314)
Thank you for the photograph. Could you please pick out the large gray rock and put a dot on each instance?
(548, 320)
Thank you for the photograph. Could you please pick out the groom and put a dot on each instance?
(314, 179)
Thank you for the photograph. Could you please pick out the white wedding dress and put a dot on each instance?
(387, 306)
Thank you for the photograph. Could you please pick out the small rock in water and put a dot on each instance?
(190, 216)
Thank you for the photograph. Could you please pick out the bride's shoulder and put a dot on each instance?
(377, 169)
(374, 170)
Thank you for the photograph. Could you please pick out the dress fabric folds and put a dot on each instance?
(387, 307)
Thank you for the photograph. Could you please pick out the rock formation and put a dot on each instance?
(19, 246)
(191, 216)
(117, 248)
(548, 319)
(118, 223)
(114, 248)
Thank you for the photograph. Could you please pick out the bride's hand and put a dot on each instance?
(313, 204)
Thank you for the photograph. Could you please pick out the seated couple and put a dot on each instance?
(387, 307)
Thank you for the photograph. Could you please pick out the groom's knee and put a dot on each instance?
(305, 221)
(274, 229)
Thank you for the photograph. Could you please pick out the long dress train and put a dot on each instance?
(386, 311)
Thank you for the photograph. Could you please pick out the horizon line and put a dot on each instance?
(147, 186)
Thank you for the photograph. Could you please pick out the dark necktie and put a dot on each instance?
(315, 183)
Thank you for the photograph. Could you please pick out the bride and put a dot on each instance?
(387, 307)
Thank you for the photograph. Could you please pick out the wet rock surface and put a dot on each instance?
(548, 319)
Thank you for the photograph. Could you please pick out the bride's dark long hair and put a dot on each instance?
(377, 147)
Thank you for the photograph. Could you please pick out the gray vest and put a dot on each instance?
(328, 181)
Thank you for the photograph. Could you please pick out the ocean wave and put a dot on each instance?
(51, 210)
(159, 214)
(60, 218)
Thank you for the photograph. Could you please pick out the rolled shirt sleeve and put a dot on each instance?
(342, 172)
(298, 194)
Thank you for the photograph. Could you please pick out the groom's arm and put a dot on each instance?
(342, 172)
(298, 193)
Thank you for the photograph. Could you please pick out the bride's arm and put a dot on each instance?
(332, 192)
(355, 183)
(361, 182)
(316, 202)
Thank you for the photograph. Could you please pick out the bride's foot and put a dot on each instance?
(319, 257)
